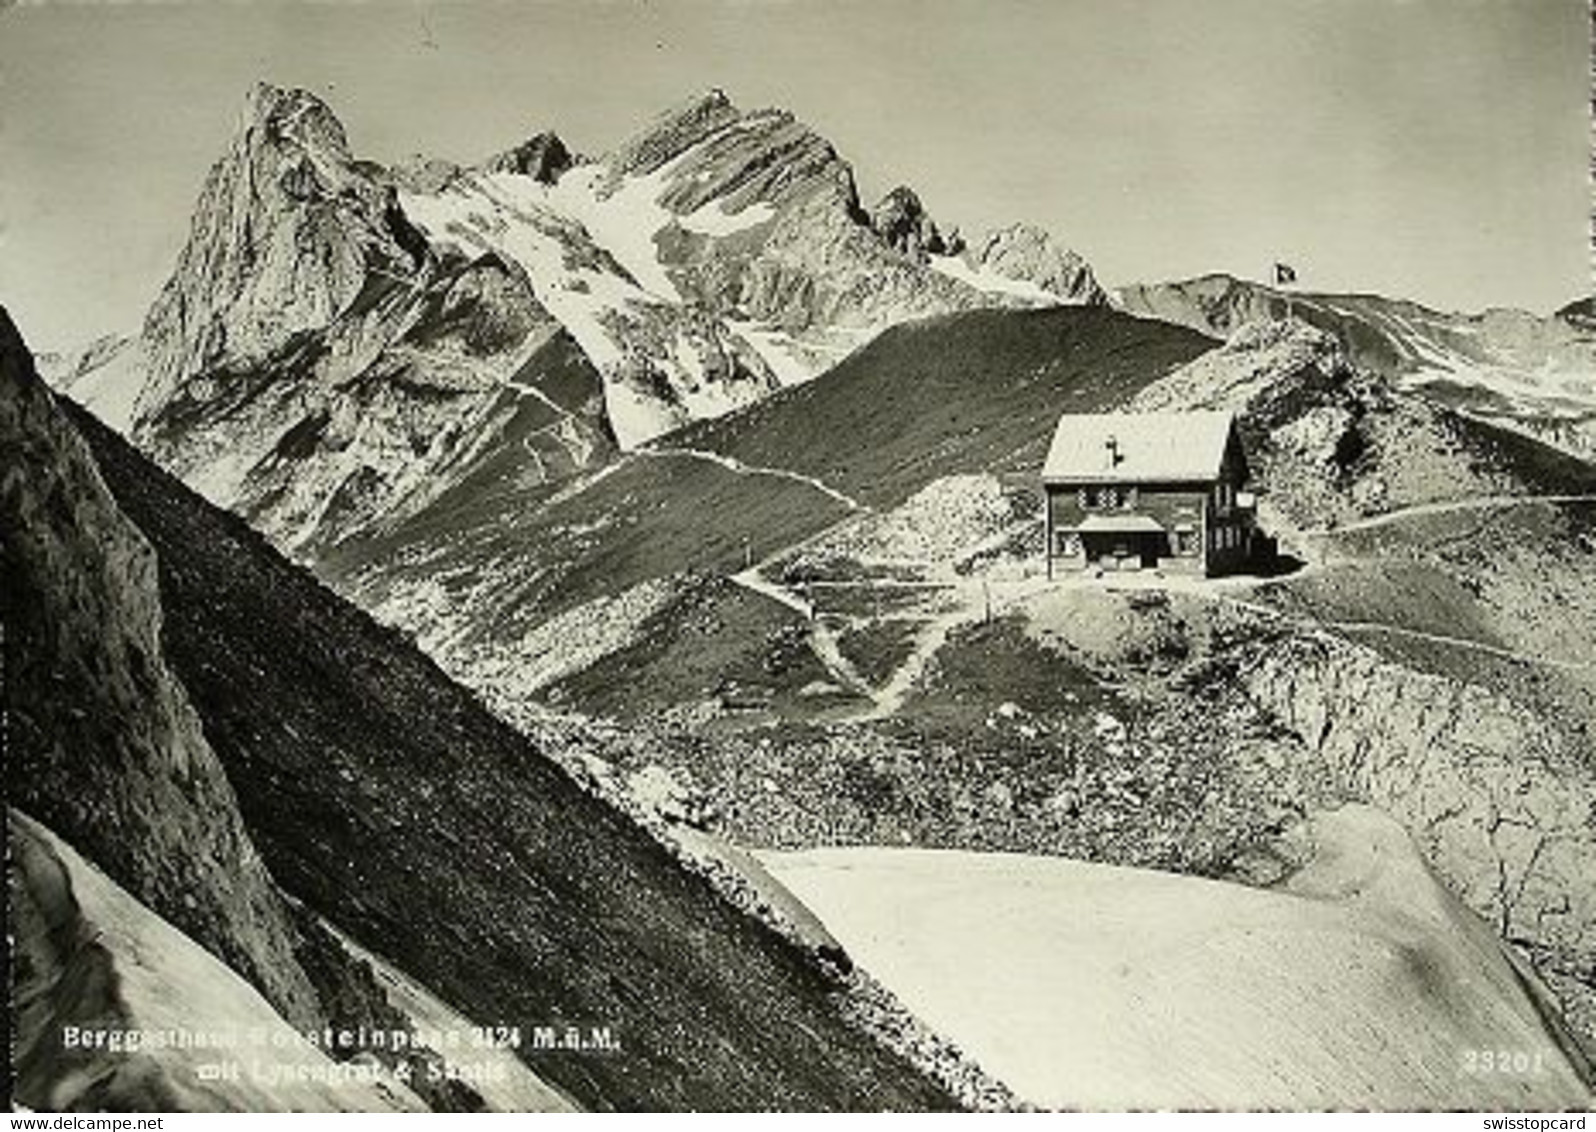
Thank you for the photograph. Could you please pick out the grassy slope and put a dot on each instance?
(386, 798)
(972, 392)
(716, 641)
(1540, 467)
(1514, 579)
(877, 648)
(652, 517)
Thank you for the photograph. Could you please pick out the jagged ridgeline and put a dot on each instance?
(340, 343)
(1509, 367)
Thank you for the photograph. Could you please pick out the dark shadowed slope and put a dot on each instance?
(511, 557)
(101, 741)
(972, 392)
(386, 798)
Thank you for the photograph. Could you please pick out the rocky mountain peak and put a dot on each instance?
(292, 117)
(1580, 313)
(543, 157)
(674, 132)
(1257, 359)
(419, 173)
(285, 234)
(716, 255)
(902, 221)
(1026, 252)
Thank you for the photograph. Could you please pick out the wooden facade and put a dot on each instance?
(1162, 492)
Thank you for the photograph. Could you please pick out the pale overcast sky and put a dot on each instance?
(1430, 149)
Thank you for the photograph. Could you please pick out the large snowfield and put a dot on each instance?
(1359, 984)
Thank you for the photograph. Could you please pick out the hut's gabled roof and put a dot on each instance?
(1138, 447)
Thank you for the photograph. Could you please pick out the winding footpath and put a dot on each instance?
(732, 464)
(822, 638)
(1417, 510)
(973, 600)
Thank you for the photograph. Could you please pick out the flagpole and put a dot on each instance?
(1284, 276)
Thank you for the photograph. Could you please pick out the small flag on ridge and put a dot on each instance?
(1284, 273)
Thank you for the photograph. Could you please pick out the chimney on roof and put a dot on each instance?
(1112, 444)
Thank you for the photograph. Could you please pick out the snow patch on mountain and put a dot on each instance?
(637, 418)
(793, 362)
(1191, 993)
(712, 219)
(586, 246)
(986, 280)
(475, 215)
(622, 215)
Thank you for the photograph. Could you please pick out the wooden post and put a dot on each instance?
(1208, 531)
(1047, 529)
